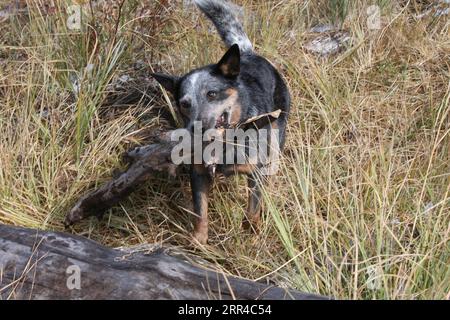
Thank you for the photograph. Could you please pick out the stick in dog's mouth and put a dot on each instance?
(223, 123)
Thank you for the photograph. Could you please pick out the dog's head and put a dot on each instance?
(209, 94)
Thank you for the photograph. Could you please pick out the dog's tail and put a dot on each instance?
(223, 15)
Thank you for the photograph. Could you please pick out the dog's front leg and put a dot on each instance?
(254, 207)
(201, 183)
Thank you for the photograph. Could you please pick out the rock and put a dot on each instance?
(322, 28)
(437, 9)
(328, 44)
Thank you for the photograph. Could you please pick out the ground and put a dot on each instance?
(360, 208)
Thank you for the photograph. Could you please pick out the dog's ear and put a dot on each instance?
(230, 64)
(167, 81)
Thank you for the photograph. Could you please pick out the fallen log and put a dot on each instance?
(53, 265)
(143, 163)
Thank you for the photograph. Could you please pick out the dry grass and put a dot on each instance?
(361, 207)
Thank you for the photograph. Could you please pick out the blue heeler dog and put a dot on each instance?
(240, 86)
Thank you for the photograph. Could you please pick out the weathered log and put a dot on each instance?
(143, 162)
(45, 265)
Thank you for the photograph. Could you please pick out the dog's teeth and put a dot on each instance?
(221, 121)
(212, 170)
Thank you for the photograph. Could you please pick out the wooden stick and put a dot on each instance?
(147, 160)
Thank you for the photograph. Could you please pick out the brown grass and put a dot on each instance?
(361, 207)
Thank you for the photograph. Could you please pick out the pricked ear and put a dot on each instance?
(167, 81)
(230, 64)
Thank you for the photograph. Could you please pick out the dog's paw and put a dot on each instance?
(201, 237)
(251, 224)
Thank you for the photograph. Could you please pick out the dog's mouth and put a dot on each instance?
(223, 121)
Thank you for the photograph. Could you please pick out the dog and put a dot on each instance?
(240, 86)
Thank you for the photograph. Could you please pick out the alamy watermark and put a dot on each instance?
(73, 281)
(259, 147)
(76, 11)
(373, 17)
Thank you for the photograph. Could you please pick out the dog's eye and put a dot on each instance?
(185, 105)
(211, 95)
